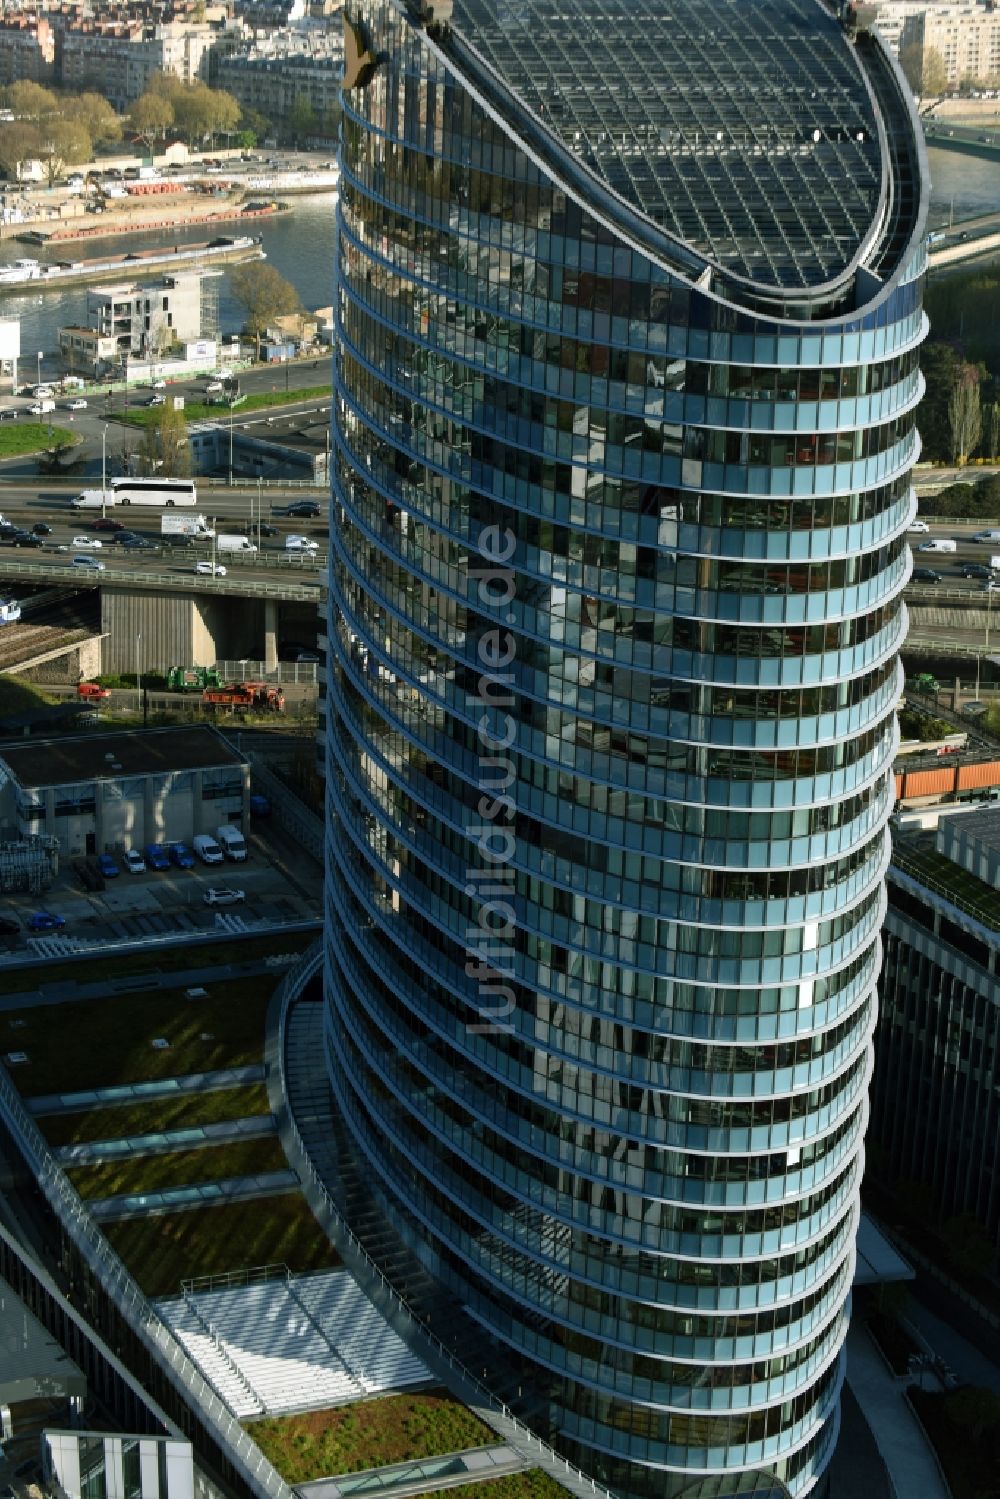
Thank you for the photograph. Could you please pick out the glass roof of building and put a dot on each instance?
(742, 127)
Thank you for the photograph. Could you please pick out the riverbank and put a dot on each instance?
(41, 277)
(145, 217)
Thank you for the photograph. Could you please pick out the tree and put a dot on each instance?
(164, 446)
(96, 116)
(911, 60)
(992, 413)
(965, 415)
(934, 79)
(265, 294)
(939, 364)
(18, 143)
(64, 142)
(302, 118)
(150, 117)
(29, 101)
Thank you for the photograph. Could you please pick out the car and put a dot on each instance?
(260, 805)
(924, 575)
(46, 921)
(993, 586)
(136, 543)
(134, 862)
(267, 530)
(79, 404)
(975, 708)
(304, 509)
(224, 895)
(157, 400)
(107, 866)
(41, 529)
(93, 690)
(213, 388)
(106, 523)
(181, 855)
(40, 408)
(976, 570)
(211, 569)
(159, 384)
(88, 562)
(917, 528)
(16, 538)
(156, 856)
(86, 544)
(121, 537)
(300, 544)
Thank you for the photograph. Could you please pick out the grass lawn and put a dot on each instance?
(161, 1252)
(181, 1112)
(178, 1168)
(109, 1040)
(318, 1444)
(200, 411)
(182, 956)
(532, 1484)
(18, 697)
(20, 437)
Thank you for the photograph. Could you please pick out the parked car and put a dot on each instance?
(134, 862)
(224, 895)
(107, 866)
(159, 384)
(181, 855)
(79, 404)
(304, 509)
(106, 523)
(156, 856)
(213, 388)
(91, 562)
(210, 569)
(46, 921)
(157, 400)
(86, 543)
(260, 805)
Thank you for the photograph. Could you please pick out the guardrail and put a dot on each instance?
(328, 1213)
(159, 1342)
(953, 591)
(81, 577)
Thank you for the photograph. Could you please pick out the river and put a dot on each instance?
(300, 245)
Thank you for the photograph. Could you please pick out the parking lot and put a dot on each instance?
(279, 882)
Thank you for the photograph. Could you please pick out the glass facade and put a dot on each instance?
(617, 559)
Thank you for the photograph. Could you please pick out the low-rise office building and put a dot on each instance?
(108, 792)
(934, 1134)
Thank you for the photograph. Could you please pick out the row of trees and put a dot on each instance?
(58, 130)
(192, 111)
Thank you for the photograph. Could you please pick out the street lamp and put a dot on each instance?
(231, 404)
(138, 672)
(104, 470)
(38, 373)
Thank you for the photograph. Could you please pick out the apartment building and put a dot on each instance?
(966, 36)
(120, 58)
(27, 49)
(278, 72)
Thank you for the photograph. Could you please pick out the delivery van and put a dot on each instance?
(232, 843)
(207, 849)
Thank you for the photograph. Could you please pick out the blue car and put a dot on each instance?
(156, 856)
(46, 921)
(181, 856)
(107, 866)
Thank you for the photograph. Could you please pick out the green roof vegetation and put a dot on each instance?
(110, 1040)
(531, 1484)
(183, 1111)
(370, 1434)
(178, 1168)
(162, 1251)
(944, 877)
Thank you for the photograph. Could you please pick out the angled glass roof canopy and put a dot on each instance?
(743, 128)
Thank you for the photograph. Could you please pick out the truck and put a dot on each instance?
(10, 611)
(252, 696)
(230, 839)
(234, 544)
(172, 524)
(92, 499)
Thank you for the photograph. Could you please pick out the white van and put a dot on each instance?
(991, 537)
(207, 849)
(939, 544)
(232, 843)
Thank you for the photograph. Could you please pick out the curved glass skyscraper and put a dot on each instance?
(628, 299)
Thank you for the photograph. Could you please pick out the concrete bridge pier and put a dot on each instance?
(270, 634)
